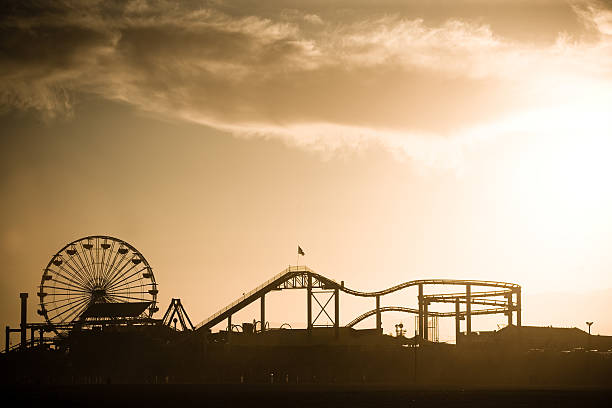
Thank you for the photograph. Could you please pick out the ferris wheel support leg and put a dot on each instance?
(24, 318)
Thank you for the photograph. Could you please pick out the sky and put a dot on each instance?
(391, 140)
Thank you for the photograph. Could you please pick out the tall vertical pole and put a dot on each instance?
(420, 311)
(468, 309)
(7, 339)
(425, 320)
(309, 304)
(378, 319)
(457, 320)
(263, 312)
(510, 307)
(518, 307)
(24, 318)
(229, 328)
(337, 312)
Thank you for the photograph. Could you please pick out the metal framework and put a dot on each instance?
(176, 313)
(505, 298)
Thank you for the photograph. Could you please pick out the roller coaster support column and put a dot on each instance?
(420, 311)
(24, 318)
(337, 312)
(378, 319)
(229, 328)
(457, 320)
(468, 309)
(518, 307)
(263, 312)
(509, 312)
(425, 320)
(309, 304)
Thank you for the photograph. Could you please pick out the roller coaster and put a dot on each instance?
(505, 298)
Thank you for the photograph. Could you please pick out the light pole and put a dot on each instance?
(589, 324)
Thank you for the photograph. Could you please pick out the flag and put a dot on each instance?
(300, 251)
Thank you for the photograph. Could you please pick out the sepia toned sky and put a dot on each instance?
(393, 140)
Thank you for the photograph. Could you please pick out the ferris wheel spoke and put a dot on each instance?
(126, 286)
(76, 311)
(118, 272)
(80, 265)
(68, 304)
(70, 294)
(108, 268)
(85, 265)
(127, 291)
(66, 283)
(63, 288)
(94, 266)
(57, 273)
(81, 304)
(78, 269)
(75, 277)
(120, 278)
(64, 301)
(103, 263)
(118, 283)
(96, 262)
(77, 288)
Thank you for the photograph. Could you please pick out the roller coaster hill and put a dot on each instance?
(98, 295)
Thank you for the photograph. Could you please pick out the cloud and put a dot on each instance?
(318, 78)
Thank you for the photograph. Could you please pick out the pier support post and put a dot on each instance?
(468, 309)
(510, 308)
(229, 328)
(24, 319)
(420, 311)
(309, 304)
(337, 312)
(457, 320)
(378, 319)
(426, 320)
(263, 312)
(518, 307)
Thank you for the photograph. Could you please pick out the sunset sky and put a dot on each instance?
(393, 140)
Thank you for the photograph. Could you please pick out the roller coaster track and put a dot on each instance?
(295, 277)
(416, 311)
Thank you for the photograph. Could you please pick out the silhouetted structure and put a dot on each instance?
(108, 340)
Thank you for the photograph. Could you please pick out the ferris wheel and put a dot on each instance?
(90, 271)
